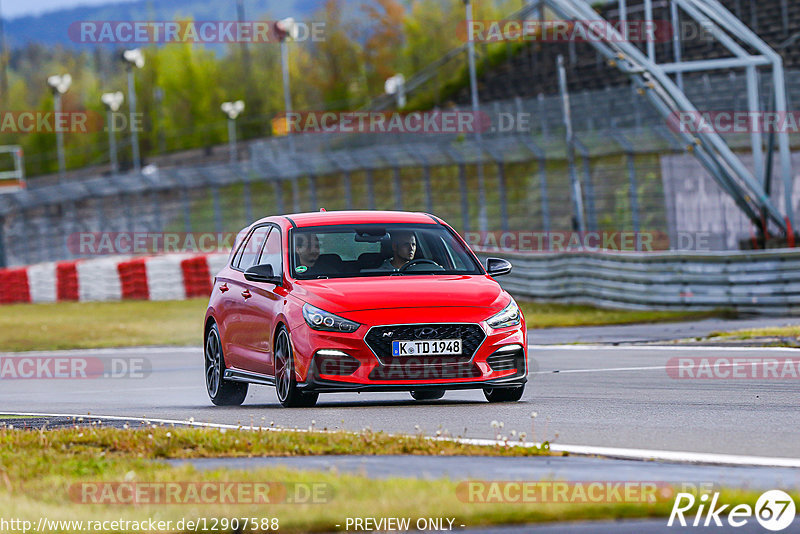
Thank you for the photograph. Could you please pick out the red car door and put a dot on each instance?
(236, 324)
(262, 306)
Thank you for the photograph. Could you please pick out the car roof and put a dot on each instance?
(325, 218)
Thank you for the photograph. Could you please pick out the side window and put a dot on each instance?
(272, 252)
(252, 248)
(453, 257)
(239, 250)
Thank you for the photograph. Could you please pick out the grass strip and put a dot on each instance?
(87, 325)
(789, 331)
(553, 315)
(55, 474)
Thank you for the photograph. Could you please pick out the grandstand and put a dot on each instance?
(531, 71)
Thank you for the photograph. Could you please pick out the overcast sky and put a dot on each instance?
(17, 8)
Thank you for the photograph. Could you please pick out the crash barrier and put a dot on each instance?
(763, 282)
(164, 277)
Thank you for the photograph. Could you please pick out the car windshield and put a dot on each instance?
(378, 250)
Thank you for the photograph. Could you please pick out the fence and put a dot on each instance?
(766, 282)
(524, 187)
(634, 174)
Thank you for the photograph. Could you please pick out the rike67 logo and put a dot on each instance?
(774, 510)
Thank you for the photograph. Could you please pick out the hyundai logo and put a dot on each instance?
(425, 332)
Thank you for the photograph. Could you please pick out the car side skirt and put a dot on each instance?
(237, 375)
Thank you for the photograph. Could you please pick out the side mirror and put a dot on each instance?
(497, 266)
(262, 273)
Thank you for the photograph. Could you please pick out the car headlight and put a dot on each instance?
(318, 319)
(508, 316)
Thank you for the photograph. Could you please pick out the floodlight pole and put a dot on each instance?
(112, 102)
(287, 95)
(137, 164)
(59, 136)
(232, 111)
(112, 144)
(232, 139)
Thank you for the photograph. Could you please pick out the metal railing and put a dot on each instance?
(766, 282)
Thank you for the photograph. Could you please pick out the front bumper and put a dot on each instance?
(499, 361)
(318, 385)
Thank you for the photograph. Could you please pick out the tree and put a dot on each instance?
(383, 38)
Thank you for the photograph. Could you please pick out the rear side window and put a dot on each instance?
(252, 248)
(241, 236)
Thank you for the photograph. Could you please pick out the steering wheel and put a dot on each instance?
(417, 262)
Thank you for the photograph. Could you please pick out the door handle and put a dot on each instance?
(246, 294)
(223, 288)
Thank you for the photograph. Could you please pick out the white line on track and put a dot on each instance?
(16, 395)
(656, 368)
(606, 370)
(581, 450)
(119, 350)
(657, 347)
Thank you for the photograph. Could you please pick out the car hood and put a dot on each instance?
(341, 295)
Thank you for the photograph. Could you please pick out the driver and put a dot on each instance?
(404, 246)
(306, 248)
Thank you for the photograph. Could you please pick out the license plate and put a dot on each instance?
(428, 347)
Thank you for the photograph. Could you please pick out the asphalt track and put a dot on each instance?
(639, 333)
(596, 396)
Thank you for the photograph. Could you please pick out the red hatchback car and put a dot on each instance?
(361, 301)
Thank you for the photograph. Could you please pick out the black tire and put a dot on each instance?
(285, 382)
(427, 394)
(221, 392)
(504, 394)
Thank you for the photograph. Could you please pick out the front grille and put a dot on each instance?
(436, 369)
(380, 338)
(507, 361)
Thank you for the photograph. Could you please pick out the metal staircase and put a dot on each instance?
(653, 80)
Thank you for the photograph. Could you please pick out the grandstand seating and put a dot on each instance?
(532, 71)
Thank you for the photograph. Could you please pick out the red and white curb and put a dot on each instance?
(165, 277)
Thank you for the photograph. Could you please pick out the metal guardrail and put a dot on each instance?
(764, 282)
